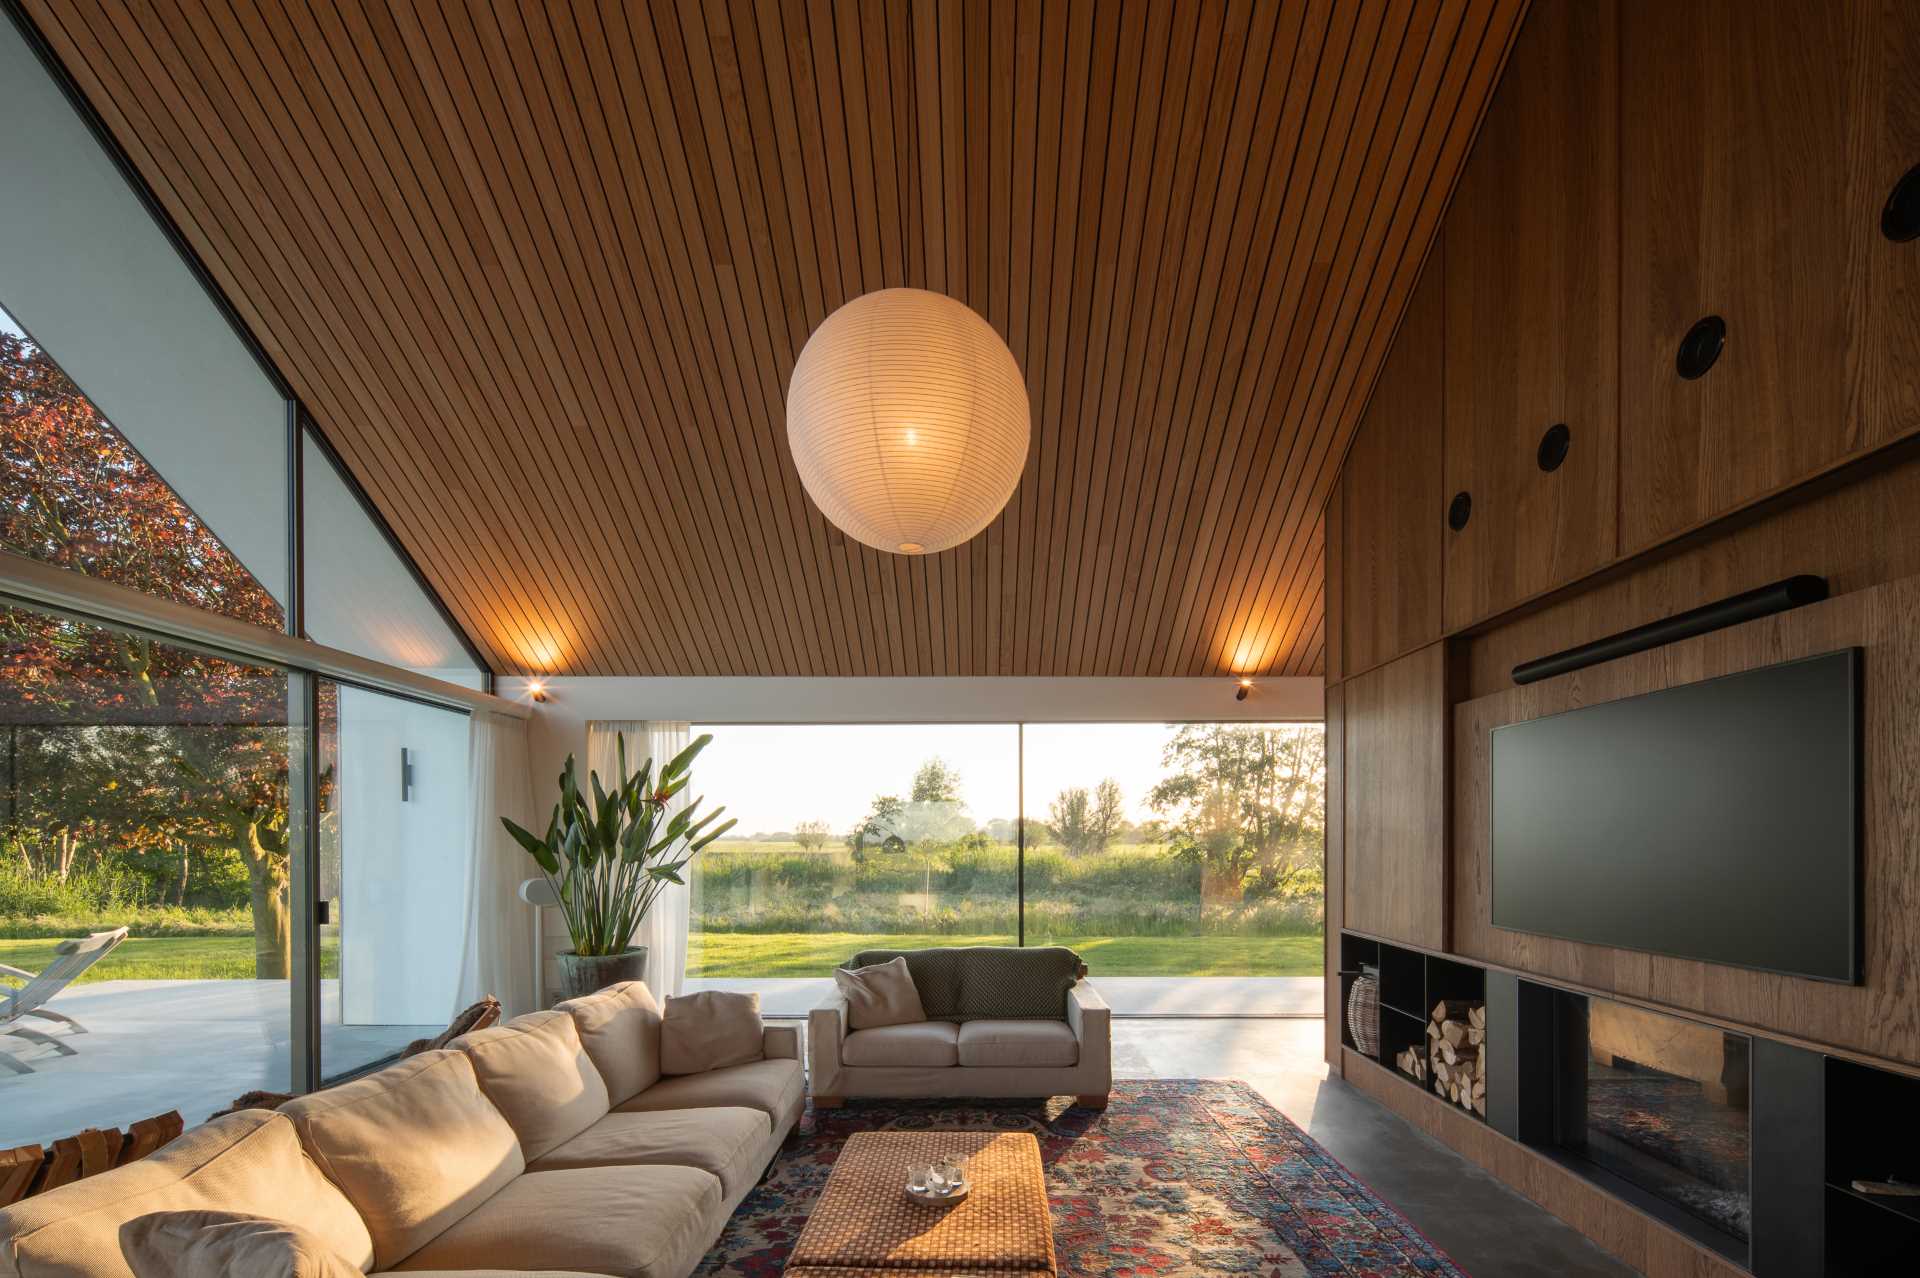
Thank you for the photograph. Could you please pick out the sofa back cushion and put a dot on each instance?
(222, 1244)
(620, 1029)
(539, 1077)
(415, 1147)
(879, 995)
(713, 1029)
(987, 982)
(250, 1161)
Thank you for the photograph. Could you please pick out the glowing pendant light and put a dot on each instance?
(908, 421)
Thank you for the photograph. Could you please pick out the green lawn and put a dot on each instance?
(741, 954)
(162, 958)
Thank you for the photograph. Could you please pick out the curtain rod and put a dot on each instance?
(90, 599)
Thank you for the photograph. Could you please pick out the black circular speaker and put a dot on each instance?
(1553, 447)
(1900, 220)
(1701, 347)
(1459, 511)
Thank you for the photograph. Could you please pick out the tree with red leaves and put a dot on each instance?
(207, 763)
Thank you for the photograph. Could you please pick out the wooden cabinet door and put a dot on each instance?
(1390, 494)
(1532, 338)
(1759, 143)
(1394, 784)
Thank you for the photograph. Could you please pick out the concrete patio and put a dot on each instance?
(152, 1046)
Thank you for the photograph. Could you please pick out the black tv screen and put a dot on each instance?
(1716, 820)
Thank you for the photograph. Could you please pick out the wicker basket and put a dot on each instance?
(1363, 1014)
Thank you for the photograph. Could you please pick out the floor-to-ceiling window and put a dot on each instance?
(854, 836)
(148, 787)
(1178, 849)
(1157, 850)
(286, 854)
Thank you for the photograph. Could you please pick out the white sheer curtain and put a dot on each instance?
(664, 930)
(498, 957)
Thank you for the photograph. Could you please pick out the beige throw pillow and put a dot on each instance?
(709, 1030)
(883, 994)
(218, 1244)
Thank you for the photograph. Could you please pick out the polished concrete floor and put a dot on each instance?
(1490, 1231)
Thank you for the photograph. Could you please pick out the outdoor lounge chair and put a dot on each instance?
(17, 1001)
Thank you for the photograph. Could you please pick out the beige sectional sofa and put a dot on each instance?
(1002, 1021)
(548, 1145)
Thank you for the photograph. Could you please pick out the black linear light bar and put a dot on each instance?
(1763, 601)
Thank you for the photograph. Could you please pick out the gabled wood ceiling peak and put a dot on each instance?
(541, 272)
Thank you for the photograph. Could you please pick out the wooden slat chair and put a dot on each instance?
(30, 999)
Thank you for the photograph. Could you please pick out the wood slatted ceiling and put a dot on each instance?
(541, 272)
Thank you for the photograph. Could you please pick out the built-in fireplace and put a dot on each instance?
(1658, 1109)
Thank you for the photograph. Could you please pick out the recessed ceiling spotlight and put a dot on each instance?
(1240, 692)
(536, 689)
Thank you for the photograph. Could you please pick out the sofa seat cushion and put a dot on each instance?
(726, 1140)
(631, 1222)
(774, 1087)
(249, 1161)
(1018, 1045)
(926, 1045)
(620, 1028)
(414, 1147)
(539, 1077)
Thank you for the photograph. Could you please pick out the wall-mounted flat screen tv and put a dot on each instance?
(1717, 820)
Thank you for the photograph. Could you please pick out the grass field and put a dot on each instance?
(739, 954)
(744, 954)
(163, 958)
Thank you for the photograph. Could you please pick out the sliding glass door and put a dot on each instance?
(394, 861)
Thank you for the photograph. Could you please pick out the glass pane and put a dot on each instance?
(145, 788)
(1180, 850)
(361, 598)
(77, 494)
(393, 870)
(91, 279)
(851, 837)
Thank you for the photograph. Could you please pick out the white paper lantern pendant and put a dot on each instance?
(908, 421)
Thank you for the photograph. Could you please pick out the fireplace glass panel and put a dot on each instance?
(1662, 1103)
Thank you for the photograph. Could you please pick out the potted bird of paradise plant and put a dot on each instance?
(608, 859)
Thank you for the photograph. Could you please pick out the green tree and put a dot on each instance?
(1069, 819)
(1246, 804)
(936, 782)
(1108, 815)
(811, 835)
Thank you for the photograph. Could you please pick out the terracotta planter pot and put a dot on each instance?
(583, 974)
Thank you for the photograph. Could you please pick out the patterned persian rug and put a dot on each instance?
(1177, 1177)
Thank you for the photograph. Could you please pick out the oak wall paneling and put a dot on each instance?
(1390, 492)
(1336, 728)
(1880, 1016)
(1639, 1240)
(1334, 624)
(1531, 246)
(1759, 143)
(1395, 781)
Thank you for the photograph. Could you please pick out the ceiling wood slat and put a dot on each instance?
(541, 274)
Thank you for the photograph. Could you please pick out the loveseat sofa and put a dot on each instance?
(1001, 1021)
(550, 1145)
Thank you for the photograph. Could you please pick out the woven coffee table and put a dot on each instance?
(864, 1223)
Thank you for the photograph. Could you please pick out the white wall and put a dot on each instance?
(403, 872)
(559, 724)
